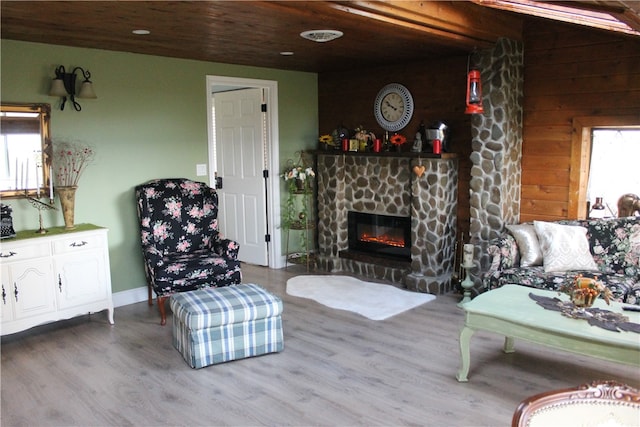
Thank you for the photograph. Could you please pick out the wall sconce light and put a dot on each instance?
(64, 85)
(474, 91)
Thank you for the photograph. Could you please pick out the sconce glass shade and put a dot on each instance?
(598, 205)
(86, 90)
(57, 88)
(474, 93)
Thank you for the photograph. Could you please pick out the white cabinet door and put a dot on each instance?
(6, 308)
(80, 278)
(30, 288)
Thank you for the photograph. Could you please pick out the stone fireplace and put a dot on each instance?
(385, 185)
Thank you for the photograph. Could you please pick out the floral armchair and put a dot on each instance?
(181, 245)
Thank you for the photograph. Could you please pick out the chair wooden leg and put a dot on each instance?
(163, 312)
(150, 295)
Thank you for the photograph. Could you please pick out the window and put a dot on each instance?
(581, 144)
(615, 154)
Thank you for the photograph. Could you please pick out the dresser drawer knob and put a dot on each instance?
(77, 245)
(9, 255)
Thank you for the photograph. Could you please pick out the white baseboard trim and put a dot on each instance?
(130, 296)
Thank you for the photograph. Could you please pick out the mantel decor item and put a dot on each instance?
(70, 159)
(326, 141)
(364, 139)
(398, 140)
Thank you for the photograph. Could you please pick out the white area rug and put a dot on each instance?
(372, 300)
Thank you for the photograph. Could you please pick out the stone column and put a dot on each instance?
(497, 148)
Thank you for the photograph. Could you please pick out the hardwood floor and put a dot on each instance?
(337, 368)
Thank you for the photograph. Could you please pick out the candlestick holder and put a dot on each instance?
(466, 284)
(40, 206)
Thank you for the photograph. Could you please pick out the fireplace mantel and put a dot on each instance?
(402, 154)
(422, 186)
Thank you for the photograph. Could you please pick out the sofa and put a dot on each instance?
(548, 255)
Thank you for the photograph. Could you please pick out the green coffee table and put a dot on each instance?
(510, 311)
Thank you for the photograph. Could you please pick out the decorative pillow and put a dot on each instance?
(504, 252)
(530, 252)
(564, 247)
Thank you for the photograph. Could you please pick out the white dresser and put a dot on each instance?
(54, 276)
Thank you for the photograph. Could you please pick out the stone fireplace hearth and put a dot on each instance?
(385, 184)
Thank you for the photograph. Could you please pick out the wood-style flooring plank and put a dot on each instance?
(337, 368)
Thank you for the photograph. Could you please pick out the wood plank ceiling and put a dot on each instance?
(255, 32)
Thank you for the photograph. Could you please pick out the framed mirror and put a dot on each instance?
(25, 145)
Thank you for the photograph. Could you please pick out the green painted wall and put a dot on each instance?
(149, 121)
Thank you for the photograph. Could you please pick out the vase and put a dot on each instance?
(582, 298)
(68, 204)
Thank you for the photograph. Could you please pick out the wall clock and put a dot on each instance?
(393, 107)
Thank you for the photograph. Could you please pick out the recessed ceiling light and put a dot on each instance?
(286, 53)
(321, 36)
(141, 32)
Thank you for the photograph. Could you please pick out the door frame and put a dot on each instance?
(270, 88)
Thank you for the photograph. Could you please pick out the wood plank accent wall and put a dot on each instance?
(569, 72)
(438, 88)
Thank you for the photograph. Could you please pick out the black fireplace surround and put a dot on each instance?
(381, 235)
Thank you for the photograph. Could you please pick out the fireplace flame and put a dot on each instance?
(384, 239)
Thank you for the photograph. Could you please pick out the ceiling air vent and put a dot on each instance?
(321, 36)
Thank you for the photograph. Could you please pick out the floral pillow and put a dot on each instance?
(615, 245)
(504, 253)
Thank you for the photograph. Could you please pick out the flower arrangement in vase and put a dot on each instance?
(70, 160)
(326, 141)
(583, 291)
(398, 140)
(298, 177)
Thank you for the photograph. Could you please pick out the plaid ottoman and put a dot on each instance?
(215, 325)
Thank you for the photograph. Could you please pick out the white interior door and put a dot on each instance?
(240, 162)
